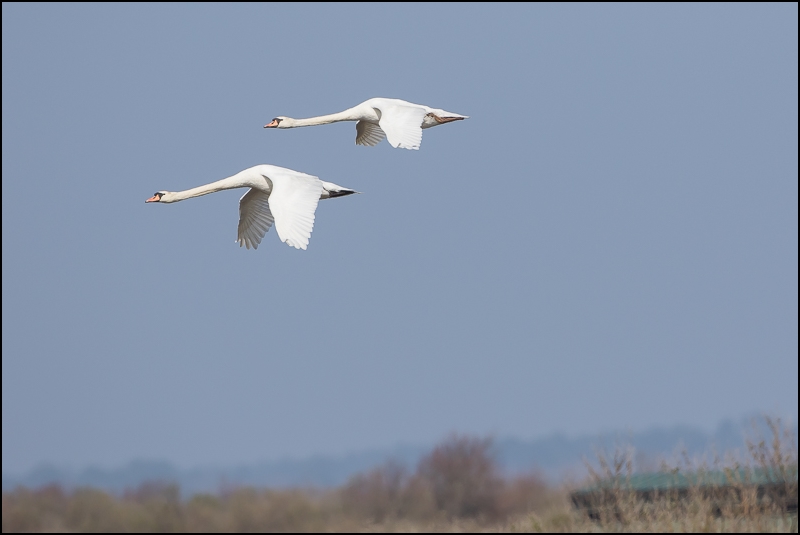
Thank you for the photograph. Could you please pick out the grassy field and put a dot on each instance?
(456, 487)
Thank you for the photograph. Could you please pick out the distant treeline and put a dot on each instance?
(554, 458)
(458, 480)
(457, 486)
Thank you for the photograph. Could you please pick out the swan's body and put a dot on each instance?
(400, 122)
(287, 198)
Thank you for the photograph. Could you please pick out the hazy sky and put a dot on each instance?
(610, 241)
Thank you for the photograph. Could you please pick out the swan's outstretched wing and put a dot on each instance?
(368, 134)
(255, 219)
(402, 125)
(293, 201)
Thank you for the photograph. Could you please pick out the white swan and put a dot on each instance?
(287, 198)
(399, 121)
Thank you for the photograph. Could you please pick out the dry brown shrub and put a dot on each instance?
(94, 511)
(205, 513)
(38, 510)
(776, 456)
(19, 512)
(526, 493)
(156, 506)
(378, 494)
(464, 478)
(249, 510)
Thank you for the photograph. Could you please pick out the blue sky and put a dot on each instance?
(610, 241)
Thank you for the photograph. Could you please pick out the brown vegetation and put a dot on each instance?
(456, 487)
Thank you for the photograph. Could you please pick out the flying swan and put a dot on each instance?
(287, 198)
(399, 121)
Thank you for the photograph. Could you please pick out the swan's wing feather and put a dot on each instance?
(368, 134)
(403, 125)
(255, 218)
(293, 201)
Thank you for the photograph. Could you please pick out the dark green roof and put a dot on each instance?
(677, 480)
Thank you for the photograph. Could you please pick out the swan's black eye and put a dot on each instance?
(277, 120)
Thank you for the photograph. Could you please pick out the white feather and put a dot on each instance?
(293, 201)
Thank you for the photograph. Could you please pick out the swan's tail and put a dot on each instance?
(330, 190)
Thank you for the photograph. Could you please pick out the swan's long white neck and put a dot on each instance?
(232, 182)
(351, 114)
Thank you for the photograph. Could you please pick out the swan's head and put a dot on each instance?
(161, 196)
(280, 122)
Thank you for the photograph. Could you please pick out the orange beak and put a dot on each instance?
(273, 124)
(154, 198)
